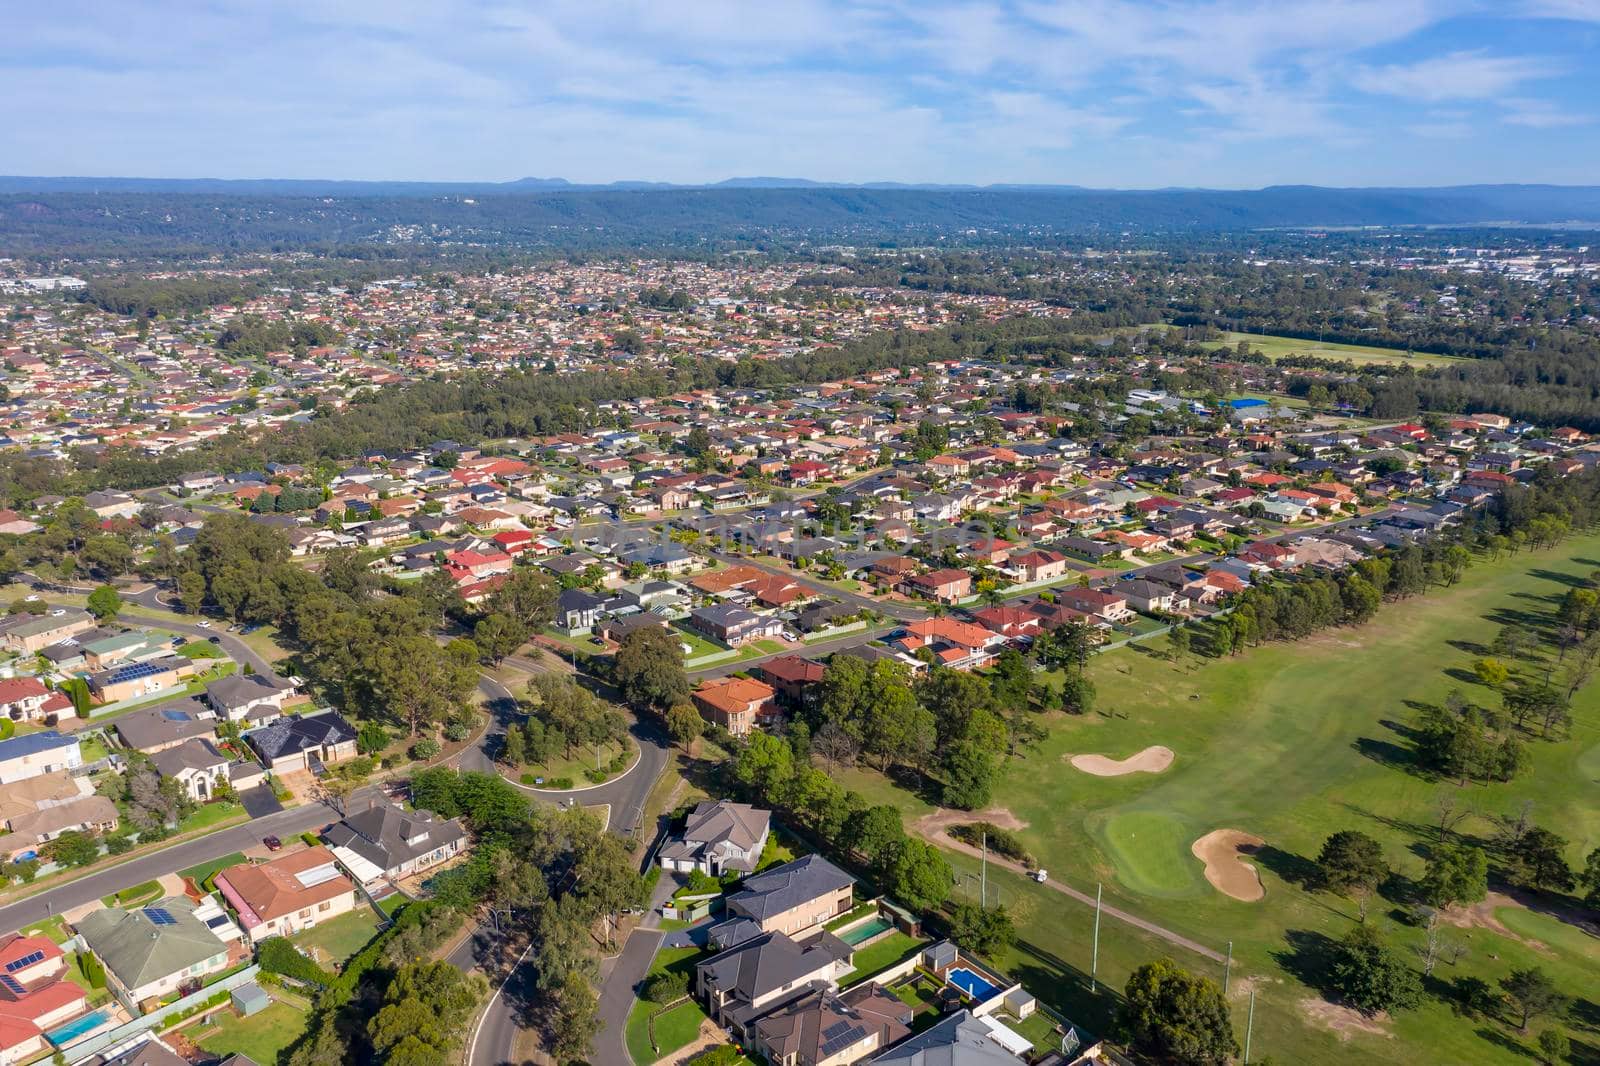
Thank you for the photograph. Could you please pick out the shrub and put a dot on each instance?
(1001, 841)
(8, 729)
(425, 749)
(619, 763)
(559, 783)
(457, 731)
(310, 839)
(93, 972)
(277, 955)
(596, 776)
(530, 779)
(119, 844)
(667, 986)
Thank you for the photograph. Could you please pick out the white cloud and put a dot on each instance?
(1466, 75)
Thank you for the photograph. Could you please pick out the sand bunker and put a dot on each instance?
(1228, 873)
(1151, 760)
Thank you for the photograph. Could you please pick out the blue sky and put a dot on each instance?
(1101, 93)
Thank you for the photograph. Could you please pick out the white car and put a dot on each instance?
(203, 625)
(1040, 876)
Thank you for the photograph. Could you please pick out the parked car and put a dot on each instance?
(272, 843)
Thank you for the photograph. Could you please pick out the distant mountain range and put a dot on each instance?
(48, 215)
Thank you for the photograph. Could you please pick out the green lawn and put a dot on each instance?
(140, 893)
(880, 955)
(206, 869)
(53, 927)
(676, 1024)
(93, 747)
(261, 1036)
(335, 940)
(1291, 742)
(584, 758)
(200, 649)
(1278, 347)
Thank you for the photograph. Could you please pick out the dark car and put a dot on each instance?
(272, 843)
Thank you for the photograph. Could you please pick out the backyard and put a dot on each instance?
(333, 941)
(261, 1036)
(1290, 742)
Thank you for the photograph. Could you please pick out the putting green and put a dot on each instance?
(1151, 852)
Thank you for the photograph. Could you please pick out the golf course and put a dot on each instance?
(1278, 347)
(1287, 744)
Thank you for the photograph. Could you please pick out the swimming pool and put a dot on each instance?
(866, 930)
(78, 1027)
(973, 984)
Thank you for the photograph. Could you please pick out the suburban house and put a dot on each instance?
(959, 1039)
(25, 699)
(196, 764)
(153, 729)
(956, 644)
(35, 995)
(1039, 565)
(256, 698)
(1147, 595)
(578, 610)
(944, 586)
(1095, 602)
(734, 625)
(140, 678)
(745, 981)
(289, 894)
(37, 753)
(791, 676)
(794, 898)
(718, 836)
(39, 809)
(28, 633)
(388, 841)
(827, 1028)
(737, 704)
(308, 742)
(151, 951)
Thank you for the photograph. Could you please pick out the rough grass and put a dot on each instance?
(1274, 347)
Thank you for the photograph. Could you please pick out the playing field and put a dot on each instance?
(1292, 742)
(1277, 347)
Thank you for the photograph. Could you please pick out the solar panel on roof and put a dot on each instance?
(160, 916)
(23, 963)
(839, 1036)
(13, 984)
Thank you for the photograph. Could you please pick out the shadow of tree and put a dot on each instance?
(1571, 581)
(1506, 1043)
(1295, 869)
(1471, 647)
(1306, 957)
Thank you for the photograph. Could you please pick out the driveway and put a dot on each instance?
(259, 801)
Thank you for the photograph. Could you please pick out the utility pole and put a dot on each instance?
(1094, 959)
(1249, 1024)
(1227, 969)
(983, 885)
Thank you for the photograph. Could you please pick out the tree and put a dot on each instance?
(192, 591)
(649, 669)
(1533, 993)
(1351, 862)
(527, 597)
(1591, 878)
(73, 848)
(425, 1011)
(1538, 860)
(919, 876)
(1455, 874)
(497, 636)
(1491, 672)
(684, 724)
(105, 603)
(1172, 1015)
(980, 930)
(1554, 1047)
(969, 774)
(1370, 976)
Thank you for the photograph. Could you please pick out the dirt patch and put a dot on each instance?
(940, 820)
(1152, 760)
(708, 1037)
(1221, 851)
(1481, 916)
(1343, 1021)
